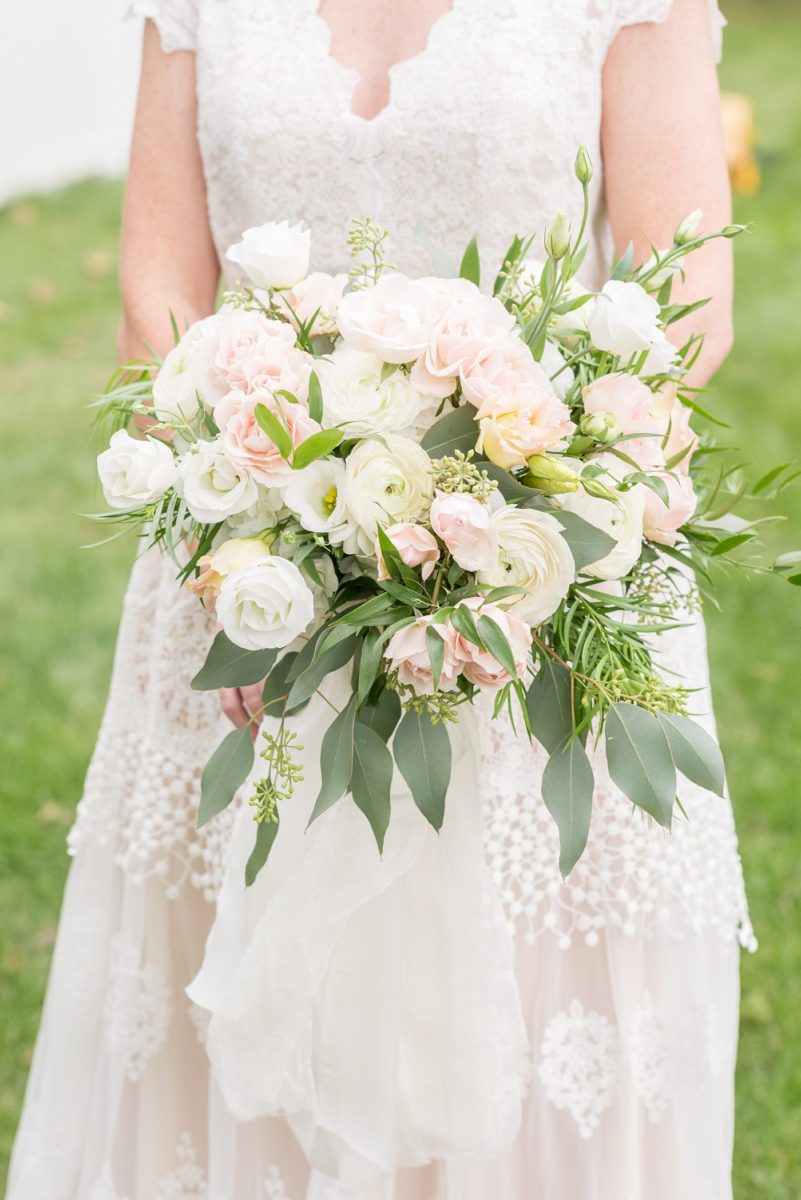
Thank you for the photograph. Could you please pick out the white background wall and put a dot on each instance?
(68, 76)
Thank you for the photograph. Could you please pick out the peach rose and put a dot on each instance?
(246, 443)
(661, 522)
(255, 353)
(465, 527)
(407, 653)
(215, 567)
(319, 293)
(523, 422)
(415, 545)
(480, 667)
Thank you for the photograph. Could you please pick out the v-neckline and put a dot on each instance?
(354, 76)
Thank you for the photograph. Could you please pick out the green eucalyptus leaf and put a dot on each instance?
(266, 832)
(695, 753)
(436, 652)
(548, 704)
(383, 716)
(457, 430)
(423, 753)
(640, 761)
(307, 683)
(497, 643)
(275, 694)
(371, 781)
(224, 774)
(369, 664)
(464, 623)
(587, 543)
(336, 759)
(228, 665)
(567, 788)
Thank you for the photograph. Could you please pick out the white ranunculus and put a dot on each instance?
(265, 605)
(622, 520)
(317, 495)
(275, 255)
(356, 396)
(532, 554)
(263, 514)
(188, 372)
(624, 320)
(386, 482)
(135, 471)
(213, 488)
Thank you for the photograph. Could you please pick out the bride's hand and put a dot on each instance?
(243, 706)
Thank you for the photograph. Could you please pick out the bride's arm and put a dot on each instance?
(168, 261)
(664, 156)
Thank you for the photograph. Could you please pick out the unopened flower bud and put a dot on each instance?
(688, 228)
(594, 487)
(601, 427)
(731, 231)
(557, 239)
(547, 466)
(550, 487)
(583, 165)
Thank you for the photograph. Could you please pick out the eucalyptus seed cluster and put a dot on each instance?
(285, 771)
(648, 692)
(458, 473)
(441, 708)
(663, 594)
(368, 247)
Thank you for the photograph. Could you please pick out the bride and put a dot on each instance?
(467, 115)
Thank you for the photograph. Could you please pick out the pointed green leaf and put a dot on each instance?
(224, 774)
(640, 762)
(587, 543)
(457, 430)
(275, 693)
(315, 398)
(383, 716)
(372, 779)
(266, 832)
(471, 263)
(228, 665)
(369, 664)
(336, 759)
(275, 429)
(423, 753)
(436, 652)
(317, 446)
(548, 704)
(307, 683)
(464, 623)
(497, 643)
(695, 753)
(567, 788)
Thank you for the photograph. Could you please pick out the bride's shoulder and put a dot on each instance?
(176, 21)
(635, 12)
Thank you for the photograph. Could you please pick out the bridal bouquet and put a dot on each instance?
(450, 492)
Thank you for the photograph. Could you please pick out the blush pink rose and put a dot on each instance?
(415, 545)
(628, 400)
(501, 368)
(246, 443)
(527, 421)
(407, 653)
(661, 522)
(469, 324)
(480, 667)
(255, 353)
(319, 293)
(673, 420)
(392, 320)
(465, 527)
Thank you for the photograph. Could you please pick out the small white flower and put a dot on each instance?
(265, 605)
(212, 486)
(358, 397)
(188, 373)
(317, 495)
(532, 554)
(135, 471)
(624, 320)
(275, 255)
(386, 482)
(622, 520)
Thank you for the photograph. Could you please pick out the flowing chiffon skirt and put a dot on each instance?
(627, 975)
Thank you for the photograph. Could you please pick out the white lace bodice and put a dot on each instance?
(478, 135)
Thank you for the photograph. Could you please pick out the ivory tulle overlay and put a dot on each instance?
(453, 1022)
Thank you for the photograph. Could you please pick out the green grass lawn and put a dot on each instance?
(59, 604)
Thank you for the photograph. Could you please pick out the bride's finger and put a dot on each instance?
(232, 706)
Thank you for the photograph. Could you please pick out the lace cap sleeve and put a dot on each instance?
(632, 12)
(175, 20)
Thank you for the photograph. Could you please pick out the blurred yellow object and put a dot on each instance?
(740, 135)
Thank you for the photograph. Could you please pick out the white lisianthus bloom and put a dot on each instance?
(212, 486)
(358, 397)
(135, 471)
(532, 554)
(189, 372)
(317, 496)
(265, 605)
(263, 514)
(386, 482)
(275, 255)
(622, 520)
(624, 320)
(559, 374)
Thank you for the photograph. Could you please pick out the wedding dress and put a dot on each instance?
(619, 1031)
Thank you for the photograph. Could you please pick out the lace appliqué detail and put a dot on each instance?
(137, 1014)
(580, 1065)
(275, 1188)
(188, 1180)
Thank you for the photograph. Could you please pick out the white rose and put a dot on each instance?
(624, 320)
(188, 372)
(357, 397)
(532, 554)
(134, 471)
(265, 605)
(386, 482)
(275, 255)
(622, 520)
(317, 495)
(212, 486)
